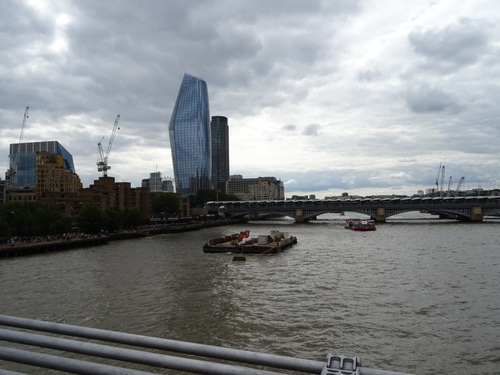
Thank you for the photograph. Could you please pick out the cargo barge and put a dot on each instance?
(242, 243)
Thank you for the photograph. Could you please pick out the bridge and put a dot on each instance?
(470, 208)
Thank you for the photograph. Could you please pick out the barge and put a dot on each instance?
(242, 243)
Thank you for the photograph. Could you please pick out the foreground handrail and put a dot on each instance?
(237, 355)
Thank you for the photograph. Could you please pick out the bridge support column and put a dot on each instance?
(380, 215)
(299, 215)
(476, 214)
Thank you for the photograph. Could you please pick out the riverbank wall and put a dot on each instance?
(22, 249)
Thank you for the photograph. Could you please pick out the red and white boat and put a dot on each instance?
(360, 225)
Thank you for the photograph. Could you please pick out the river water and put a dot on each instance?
(417, 295)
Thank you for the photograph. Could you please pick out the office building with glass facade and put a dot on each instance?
(23, 156)
(190, 137)
(220, 152)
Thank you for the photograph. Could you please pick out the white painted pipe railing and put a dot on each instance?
(143, 357)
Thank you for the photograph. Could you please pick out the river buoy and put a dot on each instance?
(239, 258)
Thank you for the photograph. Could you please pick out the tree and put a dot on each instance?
(132, 217)
(115, 218)
(48, 220)
(166, 202)
(91, 219)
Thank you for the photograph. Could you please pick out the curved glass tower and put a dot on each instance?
(190, 138)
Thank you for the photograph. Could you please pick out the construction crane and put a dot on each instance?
(437, 178)
(102, 159)
(442, 181)
(450, 181)
(14, 159)
(457, 192)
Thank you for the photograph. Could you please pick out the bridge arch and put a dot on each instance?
(461, 208)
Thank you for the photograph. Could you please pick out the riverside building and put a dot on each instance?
(190, 137)
(23, 157)
(255, 189)
(38, 169)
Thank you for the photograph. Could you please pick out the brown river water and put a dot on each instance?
(417, 295)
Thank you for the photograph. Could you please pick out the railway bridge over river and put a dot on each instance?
(471, 208)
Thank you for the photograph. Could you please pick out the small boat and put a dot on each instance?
(360, 225)
(242, 243)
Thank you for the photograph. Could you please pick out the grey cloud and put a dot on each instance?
(451, 47)
(428, 99)
(128, 57)
(311, 130)
(369, 75)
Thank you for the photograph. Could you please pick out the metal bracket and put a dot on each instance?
(341, 365)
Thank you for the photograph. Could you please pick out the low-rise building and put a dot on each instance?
(253, 189)
(105, 192)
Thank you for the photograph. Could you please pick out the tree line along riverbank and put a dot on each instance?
(39, 245)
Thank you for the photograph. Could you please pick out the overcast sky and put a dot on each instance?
(359, 96)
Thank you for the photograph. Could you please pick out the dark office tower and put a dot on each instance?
(189, 131)
(220, 152)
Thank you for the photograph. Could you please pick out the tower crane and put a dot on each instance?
(457, 192)
(450, 181)
(14, 159)
(102, 159)
(442, 181)
(437, 178)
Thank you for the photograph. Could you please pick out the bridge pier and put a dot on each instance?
(380, 215)
(299, 215)
(254, 216)
(476, 214)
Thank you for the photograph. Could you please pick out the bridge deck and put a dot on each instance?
(463, 208)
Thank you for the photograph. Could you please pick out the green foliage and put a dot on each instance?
(132, 217)
(91, 218)
(166, 202)
(29, 219)
(48, 220)
(115, 218)
(33, 219)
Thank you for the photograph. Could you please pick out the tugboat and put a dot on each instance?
(242, 243)
(360, 225)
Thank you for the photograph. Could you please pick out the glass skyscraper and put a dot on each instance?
(23, 157)
(190, 137)
(220, 152)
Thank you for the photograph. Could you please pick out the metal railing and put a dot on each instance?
(190, 365)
